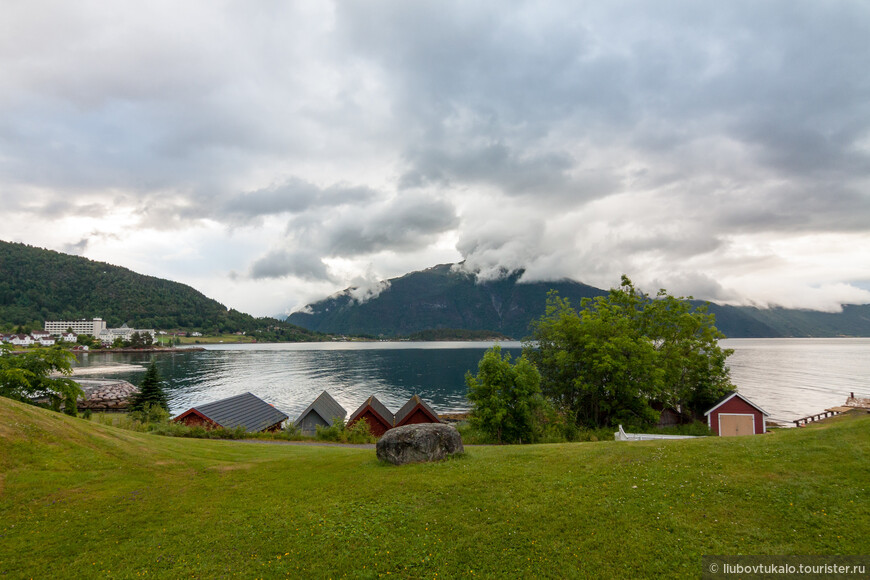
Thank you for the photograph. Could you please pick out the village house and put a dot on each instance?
(21, 340)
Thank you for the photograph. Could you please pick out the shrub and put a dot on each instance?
(150, 413)
(359, 432)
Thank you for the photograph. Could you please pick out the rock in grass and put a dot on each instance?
(419, 443)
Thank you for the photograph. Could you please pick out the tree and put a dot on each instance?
(607, 363)
(27, 376)
(150, 391)
(506, 398)
(140, 340)
(693, 363)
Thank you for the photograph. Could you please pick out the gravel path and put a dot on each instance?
(308, 443)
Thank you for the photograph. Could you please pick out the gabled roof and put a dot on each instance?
(730, 396)
(409, 407)
(379, 409)
(247, 410)
(325, 406)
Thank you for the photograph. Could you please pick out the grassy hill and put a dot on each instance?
(442, 298)
(38, 285)
(86, 500)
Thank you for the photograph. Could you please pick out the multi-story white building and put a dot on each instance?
(92, 327)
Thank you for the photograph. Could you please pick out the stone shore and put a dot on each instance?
(106, 394)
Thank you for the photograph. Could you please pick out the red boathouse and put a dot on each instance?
(416, 411)
(379, 418)
(735, 415)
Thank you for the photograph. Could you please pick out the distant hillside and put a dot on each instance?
(38, 284)
(441, 298)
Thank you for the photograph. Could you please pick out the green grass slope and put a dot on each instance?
(89, 501)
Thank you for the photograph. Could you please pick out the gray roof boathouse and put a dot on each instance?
(246, 410)
(323, 411)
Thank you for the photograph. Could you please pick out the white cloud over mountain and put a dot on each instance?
(270, 154)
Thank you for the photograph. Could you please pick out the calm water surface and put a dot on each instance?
(788, 378)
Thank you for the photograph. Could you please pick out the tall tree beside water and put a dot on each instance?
(150, 391)
(617, 356)
(506, 398)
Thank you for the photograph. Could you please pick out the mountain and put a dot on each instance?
(437, 298)
(444, 297)
(38, 285)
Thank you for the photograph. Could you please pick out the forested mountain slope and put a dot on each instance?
(38, 284)
(443, 297)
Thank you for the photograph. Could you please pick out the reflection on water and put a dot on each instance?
(795, 377)
(789, 378)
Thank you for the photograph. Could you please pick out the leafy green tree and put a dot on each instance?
(28, 376)
(150, 391)
(687, 342)
(506, 398)
(608, 362)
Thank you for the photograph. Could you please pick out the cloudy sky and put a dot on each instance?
(272, 153)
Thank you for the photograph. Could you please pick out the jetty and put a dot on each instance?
(852, 403)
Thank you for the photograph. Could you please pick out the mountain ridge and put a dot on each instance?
(37, 284)
(444, 297)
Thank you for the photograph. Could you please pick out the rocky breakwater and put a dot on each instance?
(105, 394)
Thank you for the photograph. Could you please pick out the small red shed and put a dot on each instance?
(379, 418)
(416, 411)
(735, 415)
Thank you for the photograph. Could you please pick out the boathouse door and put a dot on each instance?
(733, 425)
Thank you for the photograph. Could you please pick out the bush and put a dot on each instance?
(359, 432)
(86, 414)
(150, 413)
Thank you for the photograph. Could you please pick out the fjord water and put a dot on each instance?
(788, 378)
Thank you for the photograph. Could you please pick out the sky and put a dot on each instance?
(272, 153)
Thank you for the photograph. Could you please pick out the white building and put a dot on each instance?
(109, 335)
(91, 327)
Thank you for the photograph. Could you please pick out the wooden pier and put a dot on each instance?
(852, 403)
(819, 416)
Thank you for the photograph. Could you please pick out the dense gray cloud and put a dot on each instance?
(279, 263)
(709, 147)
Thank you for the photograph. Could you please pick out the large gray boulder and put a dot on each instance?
(417, 443)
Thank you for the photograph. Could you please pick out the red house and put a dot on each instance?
(735, 415)
(379, 418)
(416, 411)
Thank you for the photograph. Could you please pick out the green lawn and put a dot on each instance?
(84, 500)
